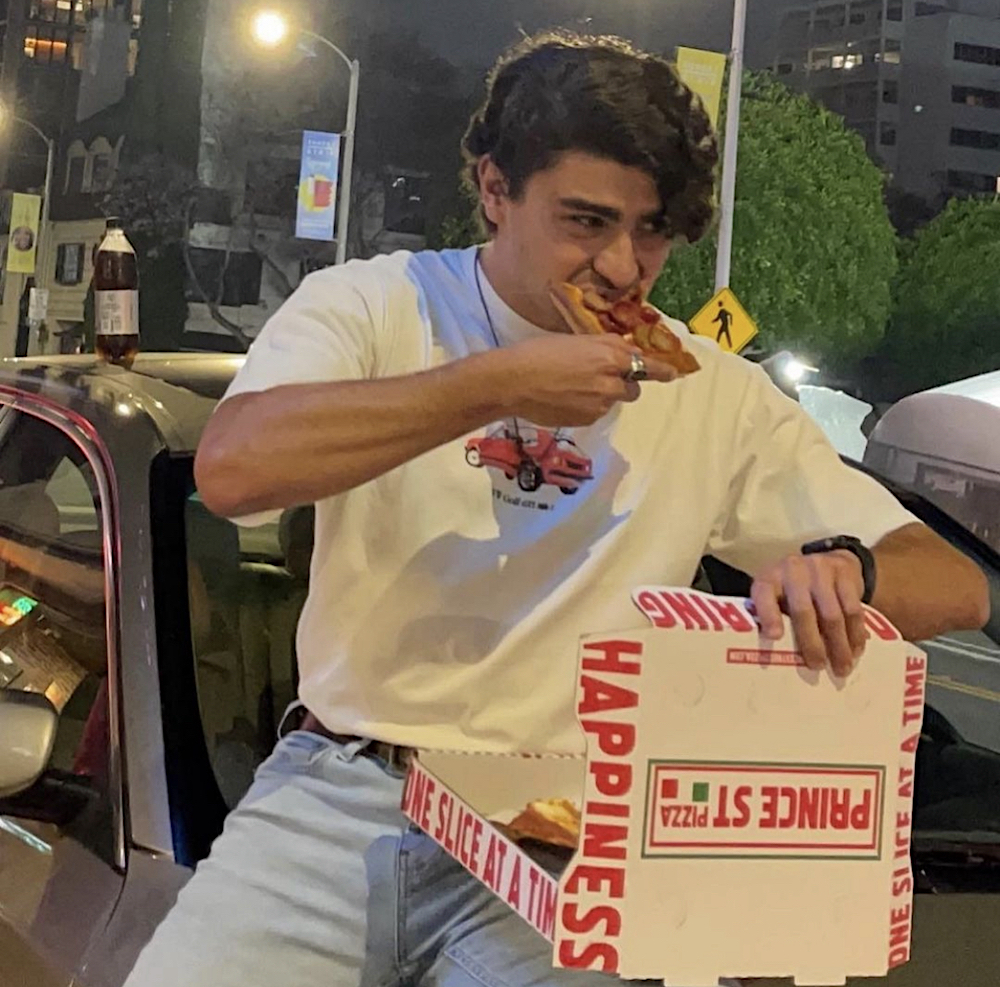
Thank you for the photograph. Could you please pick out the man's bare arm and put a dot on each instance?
(923, 585)
(926, 587)
(301, 443)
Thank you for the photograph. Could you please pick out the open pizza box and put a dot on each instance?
(742, 815)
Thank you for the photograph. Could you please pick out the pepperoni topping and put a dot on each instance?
(608, 324)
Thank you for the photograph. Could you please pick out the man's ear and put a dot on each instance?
(492, 190)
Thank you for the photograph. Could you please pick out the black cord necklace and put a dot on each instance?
(493, 328)
(482, 297)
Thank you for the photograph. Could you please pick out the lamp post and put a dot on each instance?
(727, 205)
(271, 28)
(41, 253)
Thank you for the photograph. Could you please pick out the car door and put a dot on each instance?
(956, 817)
(62, 848)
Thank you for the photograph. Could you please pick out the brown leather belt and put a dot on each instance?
(392, 754)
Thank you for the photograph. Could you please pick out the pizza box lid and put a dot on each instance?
(743, 816)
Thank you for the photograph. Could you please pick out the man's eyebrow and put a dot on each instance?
(584, 205)
(657, 217)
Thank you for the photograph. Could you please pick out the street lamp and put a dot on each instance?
(50, 145)
(727, 205)
(270, 29)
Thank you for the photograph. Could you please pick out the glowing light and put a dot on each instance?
(270, 28)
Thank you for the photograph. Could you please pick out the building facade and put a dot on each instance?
(919, 81)
(64, 67)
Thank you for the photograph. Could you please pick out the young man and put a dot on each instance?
(414, 399)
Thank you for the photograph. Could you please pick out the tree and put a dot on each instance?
(946, 321)
(814, 252)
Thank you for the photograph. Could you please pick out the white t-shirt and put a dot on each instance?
(447, 596)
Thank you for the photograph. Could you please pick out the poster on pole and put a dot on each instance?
(23, 246)
(703, 72)
(317, 206)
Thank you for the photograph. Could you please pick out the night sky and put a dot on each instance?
(470, 33)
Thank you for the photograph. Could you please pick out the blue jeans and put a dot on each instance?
(318, 880)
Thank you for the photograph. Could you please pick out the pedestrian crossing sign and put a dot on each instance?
(726, 321)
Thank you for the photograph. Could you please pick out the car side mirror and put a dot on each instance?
(28, 723)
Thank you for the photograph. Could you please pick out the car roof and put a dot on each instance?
(176, 392)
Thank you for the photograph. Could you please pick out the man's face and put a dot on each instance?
(587, 220)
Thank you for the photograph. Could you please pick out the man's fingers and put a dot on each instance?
(659, 370)
(831, 620)
(802, 611)
(764, 594)
(854, 613)
(632, 391)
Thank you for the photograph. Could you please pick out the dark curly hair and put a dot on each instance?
(560, 91)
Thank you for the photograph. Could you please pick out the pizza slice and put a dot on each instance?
(587, 312)
(552, 821)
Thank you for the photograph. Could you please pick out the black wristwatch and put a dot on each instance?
(847, 543)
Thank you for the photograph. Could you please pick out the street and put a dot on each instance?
(964, 685)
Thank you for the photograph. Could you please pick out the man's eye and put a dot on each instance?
(588, 222)
(653, 229)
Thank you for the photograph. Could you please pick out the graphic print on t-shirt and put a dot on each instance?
(531, 456)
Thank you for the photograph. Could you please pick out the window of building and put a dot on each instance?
(857, 17)
(69, 263)
(970, 96)
(887, 135)
(44, 46)
(851, 61)
(983, 139)
(890, 92)
(75, 173)
(926, 9)
(101, 173)
(894, 12)
(892, 53)
(784, 68)
(980, 54)
(971, 181)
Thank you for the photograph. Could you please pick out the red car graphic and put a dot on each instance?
(532, 456)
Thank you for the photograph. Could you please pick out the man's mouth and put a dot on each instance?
(602, 299)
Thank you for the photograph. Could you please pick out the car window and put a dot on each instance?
(52, 598)
(970, 494)
(246, 588)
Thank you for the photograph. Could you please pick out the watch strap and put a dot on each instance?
(848, 543)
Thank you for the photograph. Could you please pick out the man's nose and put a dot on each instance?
(617, 262)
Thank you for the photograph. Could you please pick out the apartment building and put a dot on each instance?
(919, 81)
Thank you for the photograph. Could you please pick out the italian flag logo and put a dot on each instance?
(670, 789)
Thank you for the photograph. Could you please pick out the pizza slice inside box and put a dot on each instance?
(740, 814)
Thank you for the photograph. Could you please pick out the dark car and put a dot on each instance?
(147, 650)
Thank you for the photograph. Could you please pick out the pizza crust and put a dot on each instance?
(587, 314)
(555, 822)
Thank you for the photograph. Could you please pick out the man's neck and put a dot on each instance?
(506, 285)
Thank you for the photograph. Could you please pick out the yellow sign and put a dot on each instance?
(726, 321)
(703, 72)
(23, 234)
